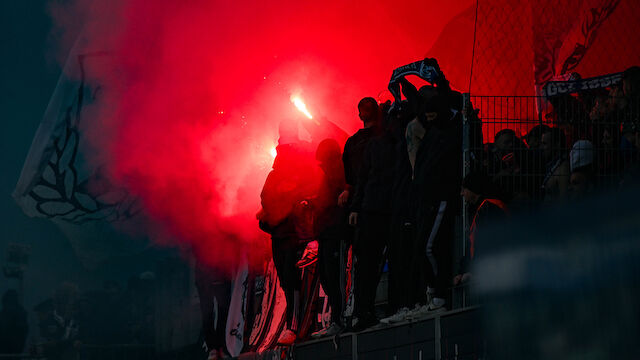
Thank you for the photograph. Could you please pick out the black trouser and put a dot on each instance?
(215, 297)
(368, 248)
(329, 247)
(401, 281)
(433, 244)
(286, 253)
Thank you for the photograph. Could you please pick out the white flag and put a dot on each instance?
(57, 182)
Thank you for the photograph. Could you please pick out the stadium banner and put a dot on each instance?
(559, 88)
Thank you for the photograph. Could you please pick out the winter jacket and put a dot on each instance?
(292, 180)
(401, 190)
(438, 169)
(354, 151)
(373, 190)
(326, 208)
(488, 211)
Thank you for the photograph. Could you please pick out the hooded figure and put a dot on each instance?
(286, 216)
(436, 182)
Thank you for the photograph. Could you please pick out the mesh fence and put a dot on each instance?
(584, 144)
(503, 44)
(520, 45)
(526, 155)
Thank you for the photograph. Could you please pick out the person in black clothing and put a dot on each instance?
(402, 217)
(513, 166)
(214, 291)
(331, 227)
(437, 136)
(284, 200)
(534, 136)
(13, 324)
(554, 152)
(371, 213)
(355, 145)
(50, 331)
(352, 155)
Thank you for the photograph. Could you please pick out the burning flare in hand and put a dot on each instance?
(301, 106)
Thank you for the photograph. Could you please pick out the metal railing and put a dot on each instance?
(539, 152)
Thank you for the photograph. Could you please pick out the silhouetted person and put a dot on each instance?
(510, 160)
(434, 143)
(214, 291)
(371, 214)
(13, 324)
(533, 165)
(49, 329)
(402, 214)
(534, 136)
(554, 153)
(354, 149)
(582, 181)
(331, 226)
(481, 195)
(284, 215)
(369, 113)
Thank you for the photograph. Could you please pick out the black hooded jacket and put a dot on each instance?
(353, 153)
(373, 190)
(401, 190)
(438, 169)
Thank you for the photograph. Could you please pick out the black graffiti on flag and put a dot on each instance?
(235, 331)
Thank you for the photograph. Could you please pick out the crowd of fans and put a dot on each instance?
(395, 189)
(589, 142)
(393, 194)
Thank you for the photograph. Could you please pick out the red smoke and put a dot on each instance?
(195, 91)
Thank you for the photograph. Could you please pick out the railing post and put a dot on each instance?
(466, 168)
(466, 162)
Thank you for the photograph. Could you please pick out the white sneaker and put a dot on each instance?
(399, 316)
(431, 292)
(417, 309)
(334, 329)
(437, 305)
(418, 312)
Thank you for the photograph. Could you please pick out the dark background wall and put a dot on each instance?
(29, 73)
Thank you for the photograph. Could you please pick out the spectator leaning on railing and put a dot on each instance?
(482, 196)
